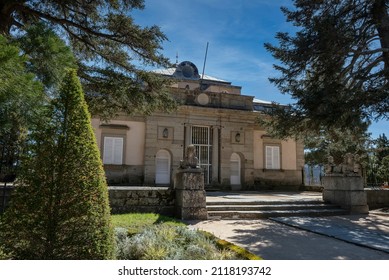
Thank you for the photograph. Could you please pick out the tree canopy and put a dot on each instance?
(108, 45)
(335, 66)
(336, 143)
(21, 98)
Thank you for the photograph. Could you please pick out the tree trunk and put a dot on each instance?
(7, 7)
(381, 20)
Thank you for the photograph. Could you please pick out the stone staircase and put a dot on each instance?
(268, 209)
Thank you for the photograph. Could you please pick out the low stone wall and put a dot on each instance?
(159, 200)
(377, 198)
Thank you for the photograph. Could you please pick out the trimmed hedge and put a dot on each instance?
(60, 208)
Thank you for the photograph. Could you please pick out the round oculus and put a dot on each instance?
(203, 99)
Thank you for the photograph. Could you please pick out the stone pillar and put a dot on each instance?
(347, 192)
(215, 156)
(190, 194)
(188, 135)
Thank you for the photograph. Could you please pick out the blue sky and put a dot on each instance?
(236, 32)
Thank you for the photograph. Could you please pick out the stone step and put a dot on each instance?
(264, 202)
(263, 207)
(274, 213)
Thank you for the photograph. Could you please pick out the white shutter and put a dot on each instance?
(272, 157)
(276, 157)
(108, 147)
(269, 157)
(118, 151)
(113, 150)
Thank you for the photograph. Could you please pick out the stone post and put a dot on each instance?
(190, 195)
(347, 192)
(189, 186)
(343, 185)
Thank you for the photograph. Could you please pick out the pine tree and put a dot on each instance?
(21, 98)
(335, 66)
(382, 158)
(382, 147)
(60, 208)
(109, 47)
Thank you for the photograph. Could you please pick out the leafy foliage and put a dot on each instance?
(382, 147)
(21, 97)
(48, 55)
(108, 46)
(378, 172)
(383, 170)
(59, 209)
(166, 242)
(336, 143)
(336, 65)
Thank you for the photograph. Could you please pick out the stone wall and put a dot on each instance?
(159, 200)
(124, 174)
(288, 180)
(377, 198)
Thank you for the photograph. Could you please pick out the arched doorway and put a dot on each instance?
(235, 168)
(162, 168)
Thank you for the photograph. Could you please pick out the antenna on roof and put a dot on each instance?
(205, 60)
(176, 58)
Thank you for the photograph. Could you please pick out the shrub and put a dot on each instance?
(60, 208)
(166, 242)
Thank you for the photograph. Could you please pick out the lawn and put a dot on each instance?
(136, 222)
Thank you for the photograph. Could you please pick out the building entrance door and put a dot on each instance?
(235, 170)
(162, 165)
(201, 138)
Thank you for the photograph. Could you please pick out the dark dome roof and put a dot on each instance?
(186, 70)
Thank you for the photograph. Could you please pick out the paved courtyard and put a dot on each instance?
(350, 237)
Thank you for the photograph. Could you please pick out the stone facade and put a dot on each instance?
(233, 149)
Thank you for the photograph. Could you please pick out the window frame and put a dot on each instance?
(123, 149)
(273, 147)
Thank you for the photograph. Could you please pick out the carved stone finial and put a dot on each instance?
(348, 164)
(350, 167)
(190, 160)
(329, 167)
(357, 165)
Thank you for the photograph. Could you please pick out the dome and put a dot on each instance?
(186, 70)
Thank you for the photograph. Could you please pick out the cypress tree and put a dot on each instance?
(60, 208)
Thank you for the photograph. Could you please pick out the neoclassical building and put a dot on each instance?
(215, 117)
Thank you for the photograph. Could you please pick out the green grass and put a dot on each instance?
(136, 222)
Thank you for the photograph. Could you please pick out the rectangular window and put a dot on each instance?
(273, 157)
(113, 150)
